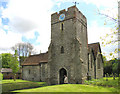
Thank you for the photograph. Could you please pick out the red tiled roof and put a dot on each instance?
(36, 59)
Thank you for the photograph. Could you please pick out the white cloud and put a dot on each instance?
(109, 14)
(95, 32)
(8, 40)
(26, 15)
(58, 4)
(6, 27)
(101, 3)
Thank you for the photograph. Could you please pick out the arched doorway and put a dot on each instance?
(62, 72)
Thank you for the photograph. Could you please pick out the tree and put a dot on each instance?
(112, 67)
(24, 50)
(14, 64)
(107, 68)
(116, 67)
(111, 38)
(5, 59)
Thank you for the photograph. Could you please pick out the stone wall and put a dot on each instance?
(99, 71)
(35, 73)
(81, 36)
(31, 73)
(91, 65)
(43, 72)
(95, 71)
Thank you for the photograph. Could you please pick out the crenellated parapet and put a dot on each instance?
(70, 13)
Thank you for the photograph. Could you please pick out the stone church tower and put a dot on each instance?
(68, 51)
(68, 54)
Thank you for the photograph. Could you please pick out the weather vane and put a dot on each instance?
(75, 3)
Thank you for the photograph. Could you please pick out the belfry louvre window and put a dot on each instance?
(62, 49)
(62, 26)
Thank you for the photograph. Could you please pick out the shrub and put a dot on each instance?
(1, 76)
(119, 80)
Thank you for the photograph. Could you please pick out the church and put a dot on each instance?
(68, 53)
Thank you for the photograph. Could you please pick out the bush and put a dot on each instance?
(1, 76)
(103, 82)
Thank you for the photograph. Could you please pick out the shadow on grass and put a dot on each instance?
(8, 87)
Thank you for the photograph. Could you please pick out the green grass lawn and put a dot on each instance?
(95, 85)
(9, 85)
(12, 81)
(70, 88)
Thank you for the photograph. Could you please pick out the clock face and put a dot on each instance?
(62, 17)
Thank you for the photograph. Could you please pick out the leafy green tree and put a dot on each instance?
(108, 68)
(14, 64)
(1, 76)
(116, 67)
(104, 60)
(5, 59)
(112, 67)
(119, 84)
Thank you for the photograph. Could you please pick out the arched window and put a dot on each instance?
(29, 71)
(62, 26)
(62, 49)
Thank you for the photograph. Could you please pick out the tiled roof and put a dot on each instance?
(2, 70)
(6, 70)
(36, 59)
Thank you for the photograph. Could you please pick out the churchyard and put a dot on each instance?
(94, 85)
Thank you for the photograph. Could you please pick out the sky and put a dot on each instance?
(30, 21)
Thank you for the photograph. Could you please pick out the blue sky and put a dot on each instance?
(29, 21)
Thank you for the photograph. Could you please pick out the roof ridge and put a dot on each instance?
(38, 54)
(95, 43)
